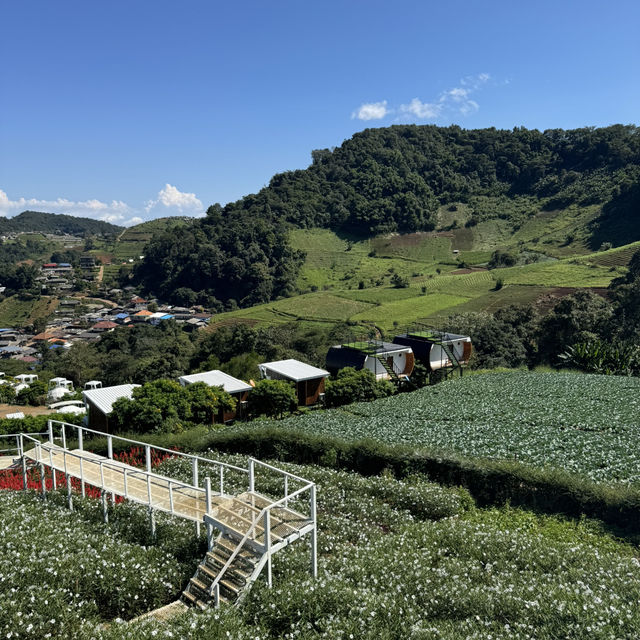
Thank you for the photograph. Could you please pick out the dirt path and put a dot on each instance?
(28, 411)
(100, 273)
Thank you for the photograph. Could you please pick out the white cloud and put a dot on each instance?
(457, 94)
(452, 102)
(113, 211)
(470, 106)
(169, 201)
(371, 111)
(422, 110)
(172, 198)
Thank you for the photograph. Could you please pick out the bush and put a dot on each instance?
(399, 282)
(273, 398)
(32, 395)
(355, 386)
(500, 258)
(166, 406)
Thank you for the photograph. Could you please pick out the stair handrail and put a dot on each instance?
(214, 588)
(449, 350)
(17, 438)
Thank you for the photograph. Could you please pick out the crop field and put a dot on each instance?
(564, 273)
(584, 424)
(408, 310)
(18, 311)
(396, 560)
(322, 306)
(340, 269)
(618, 257)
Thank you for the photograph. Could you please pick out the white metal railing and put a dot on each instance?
(127, 472)
(16, 437)
(265, 517)
(196, 461)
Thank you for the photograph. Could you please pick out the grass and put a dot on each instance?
(18, 311)
(409, 310)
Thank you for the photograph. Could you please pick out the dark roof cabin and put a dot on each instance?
(309, 380)
(387, 361)
(437, 349)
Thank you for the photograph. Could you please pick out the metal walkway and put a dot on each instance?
(244, 529)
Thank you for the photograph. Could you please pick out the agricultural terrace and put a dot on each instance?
(397, 560)
(585, 424)
(352, 279)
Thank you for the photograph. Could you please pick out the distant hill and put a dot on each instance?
(399, 179)
(56, 223)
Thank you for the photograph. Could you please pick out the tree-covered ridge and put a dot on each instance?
(56, 223)
(236, 258)
(394, 180)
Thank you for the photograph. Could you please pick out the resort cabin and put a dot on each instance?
(58, 388)
(99, 403)
(92, 384)
(309, 381)
(437, 349)
(239, 389)
(27, 378)
(387, 361)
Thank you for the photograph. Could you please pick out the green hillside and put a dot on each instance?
(551, 194)
(335, 267)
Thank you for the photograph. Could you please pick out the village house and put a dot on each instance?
(238, 389)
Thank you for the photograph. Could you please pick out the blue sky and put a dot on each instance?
(133, 110)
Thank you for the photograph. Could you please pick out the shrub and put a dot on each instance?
(273, 398)
(354, 386)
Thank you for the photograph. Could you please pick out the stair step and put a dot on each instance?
(224, 552)
(189, 596)
(232, 570)
(192, 599)
(199, 584)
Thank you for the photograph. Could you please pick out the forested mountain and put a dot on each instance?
(240, 257)
(394, 179)
(56, 223)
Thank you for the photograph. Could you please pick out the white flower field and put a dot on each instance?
(397, 560)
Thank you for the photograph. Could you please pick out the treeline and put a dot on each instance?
(144, 353)
(590, 332)
(394, 179)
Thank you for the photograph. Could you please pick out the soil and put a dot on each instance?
(546, 301)
(28, 411)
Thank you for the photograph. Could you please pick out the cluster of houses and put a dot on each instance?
(386, 360)
(89, 327)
